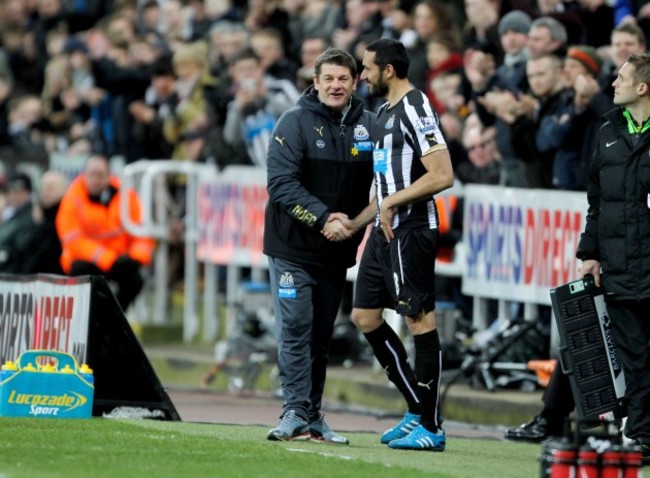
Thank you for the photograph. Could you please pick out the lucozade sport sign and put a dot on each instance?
(519, 243)
(43, 312)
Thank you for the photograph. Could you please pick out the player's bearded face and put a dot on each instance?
(378, 88)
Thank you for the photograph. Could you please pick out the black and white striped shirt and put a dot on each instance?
(405, 133)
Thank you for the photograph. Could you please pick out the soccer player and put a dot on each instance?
(397, 270)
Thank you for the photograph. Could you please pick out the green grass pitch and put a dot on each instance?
(95, 448)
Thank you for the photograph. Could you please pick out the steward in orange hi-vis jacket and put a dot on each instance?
(93, 238)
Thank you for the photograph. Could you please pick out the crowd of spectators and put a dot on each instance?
(520, 85)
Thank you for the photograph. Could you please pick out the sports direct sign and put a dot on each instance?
(231, 217)
(43, 312)
(520, 243)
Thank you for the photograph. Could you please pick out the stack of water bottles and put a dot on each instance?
(46, 383)
(595, 457)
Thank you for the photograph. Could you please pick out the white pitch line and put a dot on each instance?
(333, 455)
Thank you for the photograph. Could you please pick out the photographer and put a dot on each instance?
(258, 103)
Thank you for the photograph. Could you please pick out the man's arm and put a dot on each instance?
(284, 173)
(588, 245)
(439, 176)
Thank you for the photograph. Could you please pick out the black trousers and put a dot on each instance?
(129, 283)
(558, 396)
(631, 327)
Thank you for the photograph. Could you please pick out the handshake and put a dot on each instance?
(339, 227)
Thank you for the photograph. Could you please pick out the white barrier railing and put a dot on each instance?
(148, 179)
(517, 243)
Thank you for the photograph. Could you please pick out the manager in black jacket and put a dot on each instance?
(319, 163)
(615, 246)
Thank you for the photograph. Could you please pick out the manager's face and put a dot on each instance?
(335, 85)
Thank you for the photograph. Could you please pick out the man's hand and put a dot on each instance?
(479, 68)
(338, 227)
(529, 104)
(245, 97)
(386, 219)
(502, 104)
(590, 266)
(585, 88)
(142, 112)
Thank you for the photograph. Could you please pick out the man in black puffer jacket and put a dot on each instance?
(615, 246)
(319, 164)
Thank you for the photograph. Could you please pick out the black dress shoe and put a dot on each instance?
(534, 431)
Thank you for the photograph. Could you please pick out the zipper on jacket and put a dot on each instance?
(343, 144)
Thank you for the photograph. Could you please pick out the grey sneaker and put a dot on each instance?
(290, 427)
(321, 432)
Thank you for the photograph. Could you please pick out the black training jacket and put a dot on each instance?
(617, 231)
(317, 164)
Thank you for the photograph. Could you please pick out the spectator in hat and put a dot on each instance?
(546, 35)
(588, 57)
(17, 223)
(513, 33)
(516, 21)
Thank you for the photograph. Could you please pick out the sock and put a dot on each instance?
(391, 354)
(428, 365)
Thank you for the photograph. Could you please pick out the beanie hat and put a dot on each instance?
(515, 20)
(588, 56)
(21, 181)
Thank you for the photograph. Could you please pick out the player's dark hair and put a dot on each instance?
(390, 52)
